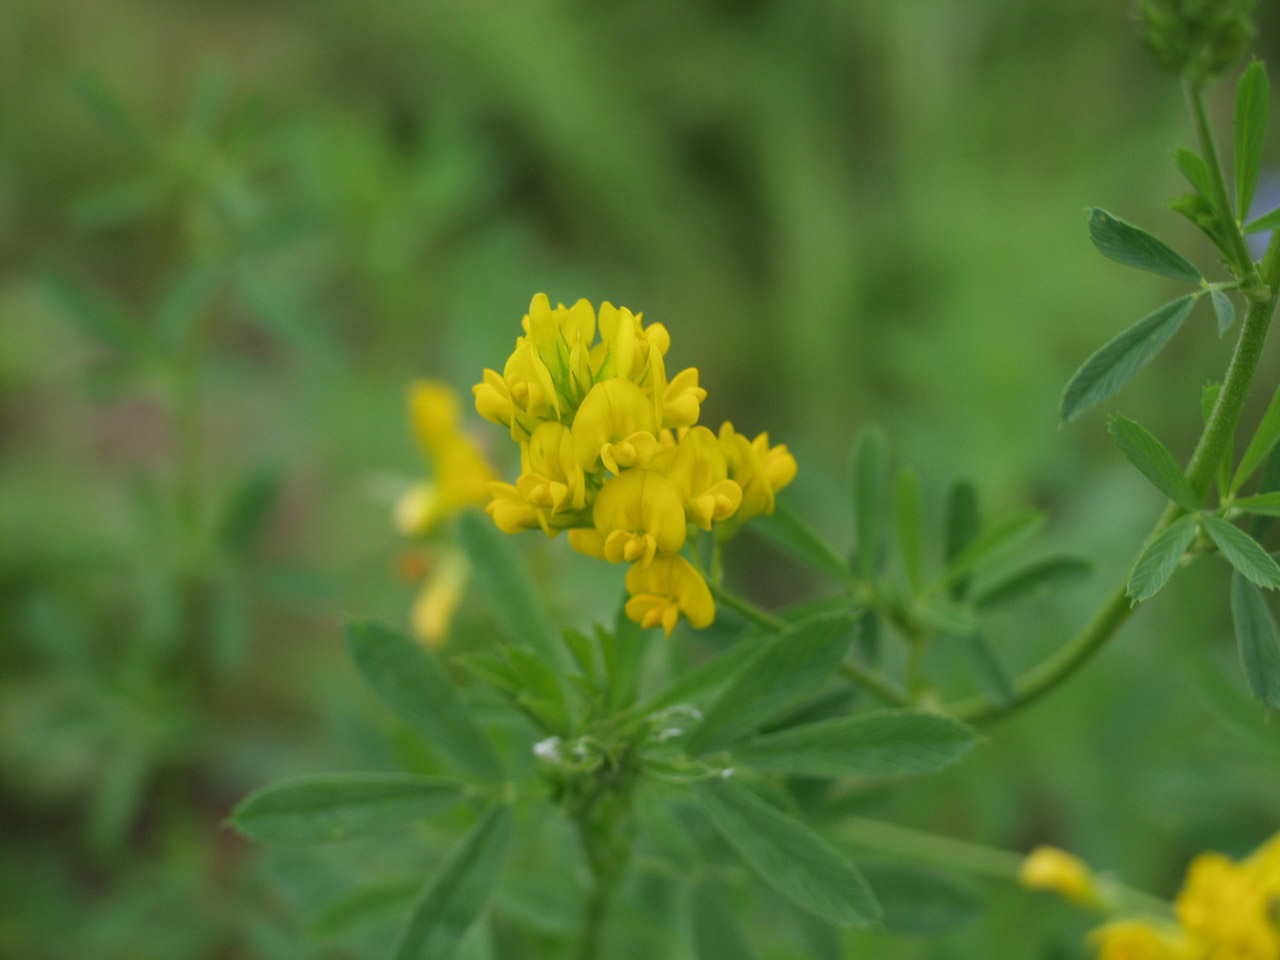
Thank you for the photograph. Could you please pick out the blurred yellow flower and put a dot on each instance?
(1048, 868)
(600, 456)
(1138, 940)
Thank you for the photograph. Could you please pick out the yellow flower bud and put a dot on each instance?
(666, 588)
(639, 516)
(439, 598)
(1138, 940)
(613, 413)
(698, 470)
(493, 400)
(529, 382)
(418, 510)
(1048, 868)
(759, 469)
(511, 512)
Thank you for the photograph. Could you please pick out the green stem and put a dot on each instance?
(882, 687)
(1218, 433)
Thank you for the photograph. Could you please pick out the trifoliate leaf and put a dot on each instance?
(1153, 460)
(1155, 565)
(1243, 552)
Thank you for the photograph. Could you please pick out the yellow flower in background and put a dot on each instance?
(461, 479)
(600, 456)
(1048, 868)
(1226, 910)
(664, 589)
(1138, 940)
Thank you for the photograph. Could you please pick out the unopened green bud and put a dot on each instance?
(1197, 38)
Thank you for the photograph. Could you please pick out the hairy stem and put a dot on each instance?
(1214, 440)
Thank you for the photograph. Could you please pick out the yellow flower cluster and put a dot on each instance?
(1227, 910)
(610, 450)
(462, 477)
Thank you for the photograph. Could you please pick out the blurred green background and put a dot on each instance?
(232, 232)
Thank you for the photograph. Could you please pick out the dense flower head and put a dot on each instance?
(1226, 910)
(610, 450)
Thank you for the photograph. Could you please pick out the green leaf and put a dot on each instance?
(716, 933)
(1264, 439)
(690, 684)
(870, 496)
(789, 667)
(508, 586)
(1149, 455)
(1204, 215)
(373, 904)
(962, 527)
(186, 301)
(111, 111)
(906, 518)
(456, 896)
(995, 539)
(1253, 97)
(411, 681)
(1112, 366)
(1265, 223)
(989, 671)
(1263, 504)
(922, 902)
(329, 807)
(787, 855)
(1038, 576)
(119, 203)
(1223, 310)
(788, 531)
(1243, 552)
(882, 743)
(1259, 643)
(624, 650)
(1155, 565)
(1270, 482)
(1193, 168)
(1134, 247)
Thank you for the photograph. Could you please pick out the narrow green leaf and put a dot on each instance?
(1223, 310)
(1154, 461)
(962, 527)
(507, 584)
(716, 933)
(1134, 247)
(988, 669)
(1264, 439)
(1115, 363)
(120, 203)
(1263, 504)
(1265, 223)
(1243, 552)
(456, 896)
(689, 685)
(624, 651)
(920, 901)
(882, 743)
(786, 530)
(1036, 577)
(1253, 96)
(319, 809)
(1260, 526)
(995, 539)
(870, 497)
(1155, 565)
(411, 681)
(111, 111)
(787, 855)
(1258, 640)
(369, 905)
(789, 667)
(1204, 215)
(906, 516)
(1193, 168)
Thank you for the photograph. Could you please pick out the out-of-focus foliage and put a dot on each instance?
(230, 234)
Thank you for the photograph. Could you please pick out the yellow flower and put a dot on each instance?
(759, 469)
(563, 338)
(556, 479)
(1048, 868)
(1138, 940)
(439, 598)
(616, 426)
(666, 588)
(1227, 909)
(433, 410)
(638, 516)
(682, 400)
(699, 472)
